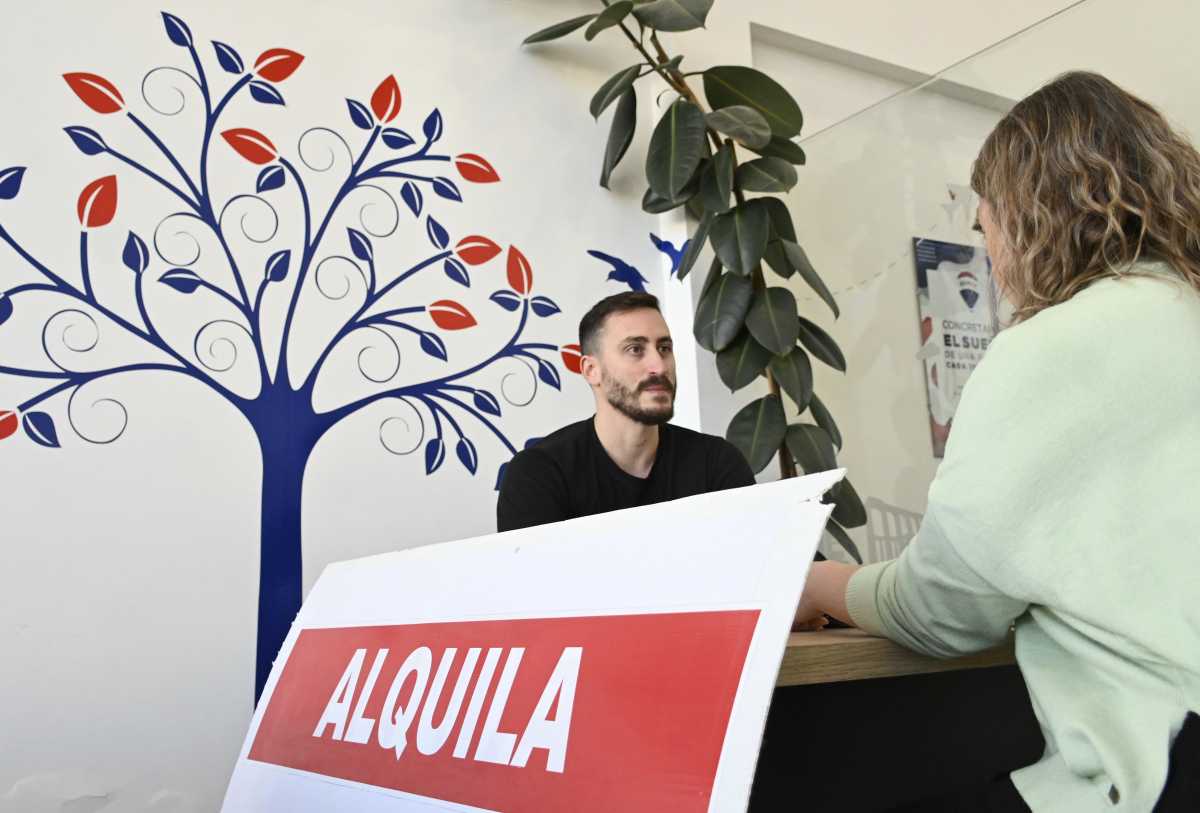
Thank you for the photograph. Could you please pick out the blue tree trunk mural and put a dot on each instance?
(287, 431)
(280, 409)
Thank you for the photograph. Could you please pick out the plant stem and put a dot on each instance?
(787, 463)
(678, 82)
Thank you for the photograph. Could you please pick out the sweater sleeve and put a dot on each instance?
(930, 600)
(988, 534)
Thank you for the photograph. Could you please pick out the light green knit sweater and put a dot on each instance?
(1068, 503)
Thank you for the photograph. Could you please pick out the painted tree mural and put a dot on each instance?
(232, 304)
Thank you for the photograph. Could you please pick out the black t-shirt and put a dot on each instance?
(568, 474)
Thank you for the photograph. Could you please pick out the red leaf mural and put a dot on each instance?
(450, 315)
(95, 91)
(520, 275)
(251, 145)
(385, 101)
(8, 423)
(572, 357)
(98, 202)
(476, 250)
(277, 64)
(475, 168)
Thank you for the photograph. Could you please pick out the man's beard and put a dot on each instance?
(626, 401)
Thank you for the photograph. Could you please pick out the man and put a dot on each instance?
(627, 454)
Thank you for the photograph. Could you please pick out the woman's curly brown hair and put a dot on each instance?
(1084, 179)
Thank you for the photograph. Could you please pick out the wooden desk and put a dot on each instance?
(833, 656)
(860, 725)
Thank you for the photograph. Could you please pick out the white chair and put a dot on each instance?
(889, 529)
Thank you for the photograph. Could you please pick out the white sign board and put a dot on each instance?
(623, 661)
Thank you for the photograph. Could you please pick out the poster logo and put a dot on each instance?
(968, 288)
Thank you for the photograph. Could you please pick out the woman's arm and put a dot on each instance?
(825, 594)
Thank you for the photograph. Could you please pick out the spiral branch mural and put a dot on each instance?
(391, 183)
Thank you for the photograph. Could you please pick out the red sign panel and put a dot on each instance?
(598, 713)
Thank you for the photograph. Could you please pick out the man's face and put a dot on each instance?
(634, 369)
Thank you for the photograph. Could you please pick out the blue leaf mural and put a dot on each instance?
(413, 199)
(265, 92)
(360, 246)
(486, 402)
(396, 139)
(544, 306)
(467, 454)
(228, 58)
(88, 141)
(272, 177)
(446, 189)
(509, 300)
(435, 453)
(437, 235)
(432, 344)
(40, 428)
(277, 265)
(548, 373)
(182, 280)
(135, 255)
(456, 271)
(10, 182)
(433, 126)
(177, 30)
(360, 115)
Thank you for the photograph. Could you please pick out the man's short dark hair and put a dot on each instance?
(593, 321)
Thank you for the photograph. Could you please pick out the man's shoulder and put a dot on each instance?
(691, 439)
(559, 445)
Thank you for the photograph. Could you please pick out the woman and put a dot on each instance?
(1068, 502)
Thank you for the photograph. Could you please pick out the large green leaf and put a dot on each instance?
(742, 362)
(783, 148)
(781, 229)
(821, 345)
(620, 135)
(612, 89)
(694, 247)
(608, 18)
(716, 184)
(676, 149)
(758, 430)
(848, 506)
(743, 124)
(729, 85)
(844, 540)
(793, 372)
(740, 237)
(655, 204)
(824, 419)
(674, 15)
(811, 447)
(766, 175)
(557, 30)
(773, 320)
(798, 259)
(722, 311)
(779, 217)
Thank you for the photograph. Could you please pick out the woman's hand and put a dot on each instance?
(824, 593)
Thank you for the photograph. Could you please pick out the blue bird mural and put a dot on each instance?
(668, 248)
(622, 271)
